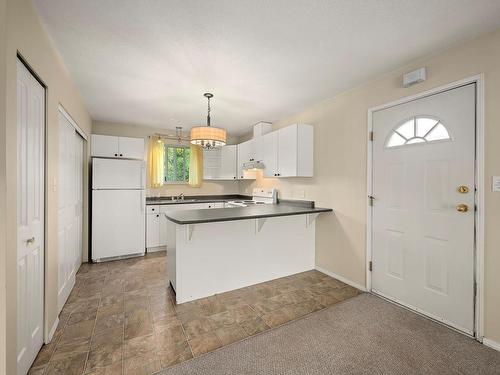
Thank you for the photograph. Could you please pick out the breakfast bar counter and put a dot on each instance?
(218, 250)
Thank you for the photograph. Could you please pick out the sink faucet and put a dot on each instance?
(180, 196)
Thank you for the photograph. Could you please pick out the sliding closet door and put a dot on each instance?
(70, 207)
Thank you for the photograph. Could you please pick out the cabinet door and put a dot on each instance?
(228, 163)
(104, 146)
(152, 230)
(163, 230)
(269, 153)
(287, 151)
(245, 154)
(131, 148)
(211, 164)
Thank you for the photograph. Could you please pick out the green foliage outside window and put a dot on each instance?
(176, 164)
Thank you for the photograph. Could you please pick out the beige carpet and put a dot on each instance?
(363, 335)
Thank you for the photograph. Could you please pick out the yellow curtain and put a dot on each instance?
(156, 156)
(195, 166)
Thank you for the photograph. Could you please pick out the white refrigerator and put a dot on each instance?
(118, 208)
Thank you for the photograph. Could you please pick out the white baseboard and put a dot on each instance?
(492, 344)
(341, 278)
(53, 330)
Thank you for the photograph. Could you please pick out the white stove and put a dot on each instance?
(259, 196)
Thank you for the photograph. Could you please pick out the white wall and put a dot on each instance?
(26, 36)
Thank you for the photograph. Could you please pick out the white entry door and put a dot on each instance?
(70, 207)
(30, 216)
(424, 205)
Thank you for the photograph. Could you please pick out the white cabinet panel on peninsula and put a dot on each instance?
(108, 146)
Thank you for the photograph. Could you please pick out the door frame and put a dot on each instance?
(479, 198)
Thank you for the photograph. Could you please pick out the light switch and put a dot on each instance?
(495, 183)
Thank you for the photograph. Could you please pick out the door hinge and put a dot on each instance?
(371, 198)
(370, 136)
(370, 266)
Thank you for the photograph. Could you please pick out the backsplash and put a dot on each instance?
(207, 188)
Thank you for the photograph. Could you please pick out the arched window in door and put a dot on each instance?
(418, 129)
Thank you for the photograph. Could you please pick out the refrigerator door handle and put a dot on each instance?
(142, 202)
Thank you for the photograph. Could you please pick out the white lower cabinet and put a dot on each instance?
(152, 230)
(156, 221)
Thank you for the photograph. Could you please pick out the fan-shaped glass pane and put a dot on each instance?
(438, 133)
(415, 140)
(396, 140)
(424, 125)
(418, 130)
(407, 130)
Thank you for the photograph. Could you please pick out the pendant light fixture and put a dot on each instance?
(208, 136)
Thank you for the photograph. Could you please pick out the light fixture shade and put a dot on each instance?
(208, 136)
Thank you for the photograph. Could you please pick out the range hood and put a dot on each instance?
(254, 164)
(259, 129)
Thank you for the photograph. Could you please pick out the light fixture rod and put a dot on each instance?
(208, 96)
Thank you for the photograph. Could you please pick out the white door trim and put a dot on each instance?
(72, 122)
(479, 219)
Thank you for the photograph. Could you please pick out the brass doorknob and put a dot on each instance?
(462, 207)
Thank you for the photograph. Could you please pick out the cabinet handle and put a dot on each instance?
(152, 209)
(116, 154)
(121, 154)
(157, 215)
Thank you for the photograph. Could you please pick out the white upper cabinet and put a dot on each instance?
(295, 151)
(228, 165)
(220, 163)
(211, 163)
(287, 152)
(117, 147)
(268, 153)
(104, 146)
(131, 148)
(246, 153)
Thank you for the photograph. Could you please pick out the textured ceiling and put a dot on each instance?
(149, 62)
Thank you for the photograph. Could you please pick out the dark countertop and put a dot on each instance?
(192, 199)
(240, 213)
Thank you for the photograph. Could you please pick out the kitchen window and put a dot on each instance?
(176, 164)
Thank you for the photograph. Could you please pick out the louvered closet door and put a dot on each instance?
(30, 217)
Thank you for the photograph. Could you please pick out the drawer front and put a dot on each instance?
(153, 209)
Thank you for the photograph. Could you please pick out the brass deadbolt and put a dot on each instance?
(463, 189)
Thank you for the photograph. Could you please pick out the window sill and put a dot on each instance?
(175, 183)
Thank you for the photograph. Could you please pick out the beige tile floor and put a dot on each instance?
(121, 317)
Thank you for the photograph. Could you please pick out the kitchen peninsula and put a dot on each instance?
(222, 249)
